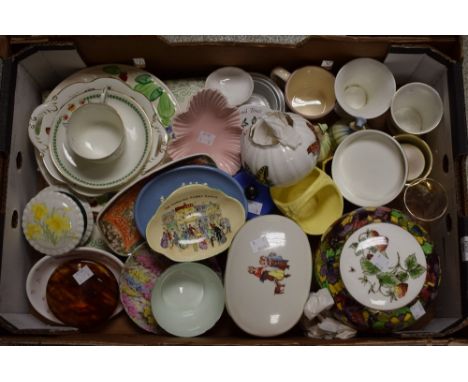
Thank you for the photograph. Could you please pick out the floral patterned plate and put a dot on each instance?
(150, 86)
(194, 223)
(53, 223)
(380, 267)
(42, 119)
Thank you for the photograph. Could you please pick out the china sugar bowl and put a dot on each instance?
(268, 275)
(279, 149)
(53, 223)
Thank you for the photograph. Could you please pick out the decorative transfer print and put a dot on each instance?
(145, 84)
(51, 226)
(272, 268)
(378, 273)
(327, 267)
(195, 226)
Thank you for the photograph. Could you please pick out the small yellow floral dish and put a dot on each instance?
(53, 223)
(194, 223)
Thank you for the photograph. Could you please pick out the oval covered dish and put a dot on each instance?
(268, 275)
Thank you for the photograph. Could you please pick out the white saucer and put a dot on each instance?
(370, 168)
(103, 176)
(234, 83)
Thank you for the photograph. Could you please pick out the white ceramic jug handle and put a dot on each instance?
(38, 133)
(280, 73)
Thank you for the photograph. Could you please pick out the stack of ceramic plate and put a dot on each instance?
(145, 107)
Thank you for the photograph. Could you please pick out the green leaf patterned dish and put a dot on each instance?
(380, 267)
(141, 81)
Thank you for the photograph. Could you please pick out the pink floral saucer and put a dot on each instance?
(210, 127)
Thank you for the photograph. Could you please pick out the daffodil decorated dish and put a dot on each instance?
(53, 223)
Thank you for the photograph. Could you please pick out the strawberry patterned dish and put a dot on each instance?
(380, 267)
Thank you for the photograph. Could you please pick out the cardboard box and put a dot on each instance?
(37, 66)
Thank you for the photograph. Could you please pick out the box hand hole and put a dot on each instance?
(14, 219)
(448, 223)
(19, 160)
(445, 164)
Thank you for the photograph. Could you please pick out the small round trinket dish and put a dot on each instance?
(53, 223)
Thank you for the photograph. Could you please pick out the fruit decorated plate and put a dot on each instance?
(194, 223)
(380, 267)
(149, 199)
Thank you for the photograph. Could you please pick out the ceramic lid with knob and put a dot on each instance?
(268, 275)
(53, 223)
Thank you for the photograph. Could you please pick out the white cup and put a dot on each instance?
(416, 108)
(364, 88)
(95, 132)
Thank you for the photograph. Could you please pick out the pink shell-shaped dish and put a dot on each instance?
(210, 127)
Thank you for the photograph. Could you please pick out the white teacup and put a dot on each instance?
(364, 88)
(416, 108)
(96, 132)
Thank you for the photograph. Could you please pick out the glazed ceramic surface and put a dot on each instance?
(116, 220)
(280, 149)
(416, 108)
(53, 223)
(250, 114)
(149, 199)
(314, 202)
(95, 132)
(309, 90)
(268, 275)
(364, 88)
(163, 101)
(370, 168)
(184, 90)
(234, 83)
(266, 93)
(111, 175)
(194, 223)
(211, 127)
(258, 195)
(40, 273)
(43, 117)
(187, 299)
(85, 208)
(380, 267)
(139, 274)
